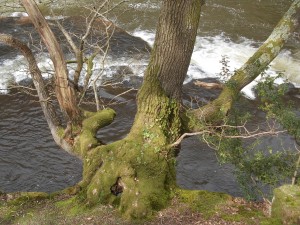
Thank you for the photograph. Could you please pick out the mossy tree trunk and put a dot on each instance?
(137, 174)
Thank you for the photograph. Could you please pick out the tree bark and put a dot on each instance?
(65, 92)
(142, 166)
(174, 44)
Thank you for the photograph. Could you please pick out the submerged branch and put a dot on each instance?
(208, 85)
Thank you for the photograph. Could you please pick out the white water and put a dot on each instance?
(205, 63)
(208, 53)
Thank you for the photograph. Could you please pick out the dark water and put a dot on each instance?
(30, 160)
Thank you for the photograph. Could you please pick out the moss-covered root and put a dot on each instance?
(286, 204)
(134, 177)
(90, 126)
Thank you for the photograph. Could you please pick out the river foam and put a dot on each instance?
(208, 53)
(205, 62)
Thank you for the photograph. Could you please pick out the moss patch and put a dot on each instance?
(286, 204)
(208, 203)
(231, 210)
(17, 205)
(59, 210)
(90, 125)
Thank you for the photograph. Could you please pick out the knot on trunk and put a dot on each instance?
(117, 188)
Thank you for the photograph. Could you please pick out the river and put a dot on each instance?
(30, 160)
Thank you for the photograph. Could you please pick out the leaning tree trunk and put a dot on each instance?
(64, 90)
(256, 64)
(137, 173)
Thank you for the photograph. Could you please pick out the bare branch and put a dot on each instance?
(48, 109)
(245, 133)
(68, 37)
(259, 134)
(208, 85)
(90, 24)
(123, 93)
(179, 140)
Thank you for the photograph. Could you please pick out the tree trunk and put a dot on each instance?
(138, 173)
(65, 92)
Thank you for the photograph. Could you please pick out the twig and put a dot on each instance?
(121, 94)
(255, 135)
(296, 169)
(179, 140)
(246, 135)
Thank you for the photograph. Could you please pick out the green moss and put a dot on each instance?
(146, 176)
(244, 214)
(286, 204)
(55, 211)
(65, 203)
(93, 122)
(211, 204)
(208, 203)
(22, 197)
(87, 114)
(72, 206)
(60, 132)
(99, 119)
(16, 204)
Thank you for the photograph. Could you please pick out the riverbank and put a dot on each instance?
(198, 207)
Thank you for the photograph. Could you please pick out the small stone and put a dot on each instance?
(95, 191)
